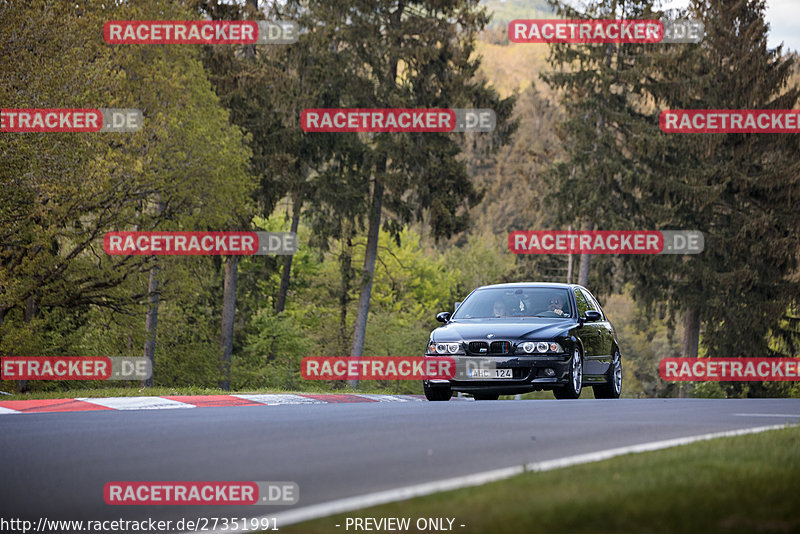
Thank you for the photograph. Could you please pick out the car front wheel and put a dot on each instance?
(437, 393)
(613, 387)
(573, 388)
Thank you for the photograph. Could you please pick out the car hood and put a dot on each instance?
(529, 328)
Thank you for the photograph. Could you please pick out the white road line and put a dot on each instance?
(768, 414)
(349, 504)
(7, 411)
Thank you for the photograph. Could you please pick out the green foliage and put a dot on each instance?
(622, 172)
(59, 193)
(596, 154)
(272, 353)
(709, 390)
(504, 11)
(411, 284)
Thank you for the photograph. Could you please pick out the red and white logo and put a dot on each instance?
(585, 31)
(42, 120)
(200, 493)
(50, 120)
(606, 242)
(180, 243)
(729, 369)
(377, 368)
(585, 242)
(74, 368)
(180, 32)
(377, 120)
(730, 121)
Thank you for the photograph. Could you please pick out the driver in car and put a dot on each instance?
(499, 309)
(556, 306)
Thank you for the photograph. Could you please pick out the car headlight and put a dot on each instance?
(530, 347)
(445, 348)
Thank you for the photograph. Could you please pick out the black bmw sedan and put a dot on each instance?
(536, 335)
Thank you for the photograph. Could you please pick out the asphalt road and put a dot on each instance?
(55, 465)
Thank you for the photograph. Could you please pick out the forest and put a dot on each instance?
(392, 227)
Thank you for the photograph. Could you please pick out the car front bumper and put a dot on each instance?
(529, 373)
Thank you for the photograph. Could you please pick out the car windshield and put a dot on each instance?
(515, 302)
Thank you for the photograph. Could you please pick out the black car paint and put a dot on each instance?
(596, 340)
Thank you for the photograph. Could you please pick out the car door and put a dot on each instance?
(605, 333)
(589, 334)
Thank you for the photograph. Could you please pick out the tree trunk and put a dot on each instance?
(368, 272)
(586, 260)
(691, 333)
(570, 263)
(287, 260)
(691, 339)
(29, 314)
(250, 50)
(228, 309)
(345, 262)
(151, 323)
(151, 319)
(31, 308)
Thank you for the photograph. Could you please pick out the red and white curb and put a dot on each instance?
(194, 401)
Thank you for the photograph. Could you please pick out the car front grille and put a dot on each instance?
(500, 347)
(478, 347)
(483, 347)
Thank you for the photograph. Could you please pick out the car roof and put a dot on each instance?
(553, 285)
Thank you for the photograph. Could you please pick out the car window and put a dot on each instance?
(580, 300)
(515, 302)
(593, 305)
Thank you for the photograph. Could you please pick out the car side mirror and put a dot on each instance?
(443, 317)
(591, 316)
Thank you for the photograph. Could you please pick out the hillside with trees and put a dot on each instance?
(393, 227)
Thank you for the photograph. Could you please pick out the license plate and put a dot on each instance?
(489, 374)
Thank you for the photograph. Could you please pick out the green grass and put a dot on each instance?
(748, 484)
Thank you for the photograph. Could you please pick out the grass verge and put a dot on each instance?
(747, 484)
